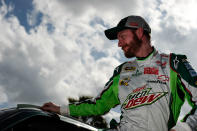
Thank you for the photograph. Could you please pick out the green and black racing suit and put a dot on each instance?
(151, 92)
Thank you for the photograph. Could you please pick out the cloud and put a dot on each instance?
(3, 97)
(40, 65)
(83, 12)
(182, 13)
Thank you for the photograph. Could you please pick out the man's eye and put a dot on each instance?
(123, 37)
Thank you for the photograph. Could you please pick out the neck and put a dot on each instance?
(145, 50)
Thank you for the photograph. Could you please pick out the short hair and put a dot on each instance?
(148, 35)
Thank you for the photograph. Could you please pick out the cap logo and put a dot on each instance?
(133, 24)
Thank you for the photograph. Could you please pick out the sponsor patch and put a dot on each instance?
(141, 98)
(191, 70)
(124, 82)
(130, 68)
(151, 70)
(188, 66)
(193, 73)
(163, 78)
(156, 81)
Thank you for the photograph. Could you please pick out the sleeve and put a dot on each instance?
(188, 77)
(107, 99)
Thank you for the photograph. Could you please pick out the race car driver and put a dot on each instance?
(151, 89)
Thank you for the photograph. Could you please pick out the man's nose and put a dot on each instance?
(119, 43)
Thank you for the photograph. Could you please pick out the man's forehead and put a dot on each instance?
(124, 31)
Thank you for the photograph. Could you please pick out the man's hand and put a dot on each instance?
(172, 130)
(51, 107)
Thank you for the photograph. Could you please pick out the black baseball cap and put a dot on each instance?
(129, 22)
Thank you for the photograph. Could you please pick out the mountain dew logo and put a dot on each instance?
(142, 97)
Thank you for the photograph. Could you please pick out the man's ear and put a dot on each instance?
(140, 32)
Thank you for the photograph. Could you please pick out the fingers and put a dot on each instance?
(47, 106)
(50, 107)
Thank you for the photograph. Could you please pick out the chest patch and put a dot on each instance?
(140, 97)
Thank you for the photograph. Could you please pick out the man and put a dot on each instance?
(150, 89)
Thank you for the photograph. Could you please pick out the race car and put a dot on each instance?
(31, 118)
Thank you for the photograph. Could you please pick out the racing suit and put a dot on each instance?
(150, 91)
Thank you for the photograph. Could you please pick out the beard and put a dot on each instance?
(134, 47)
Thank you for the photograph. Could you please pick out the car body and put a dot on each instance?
(34, 119)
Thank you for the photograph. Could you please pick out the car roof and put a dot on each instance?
(13, 116)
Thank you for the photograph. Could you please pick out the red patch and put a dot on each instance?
(133, 24)
(151, 70)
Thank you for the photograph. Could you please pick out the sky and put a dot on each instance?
(51, 50)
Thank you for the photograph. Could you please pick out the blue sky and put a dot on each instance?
(55, 49)
(20, 9)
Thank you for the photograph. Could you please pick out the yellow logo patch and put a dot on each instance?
(131, 68)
